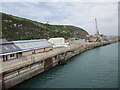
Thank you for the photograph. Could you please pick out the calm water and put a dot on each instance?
(96, 68)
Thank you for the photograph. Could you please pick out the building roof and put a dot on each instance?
(59, 38)
(23, 45)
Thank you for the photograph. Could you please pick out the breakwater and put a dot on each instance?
(16, 75)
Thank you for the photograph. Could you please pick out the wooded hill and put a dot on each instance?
(16, 28)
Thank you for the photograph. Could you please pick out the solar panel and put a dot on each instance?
(14, 47)
(6, 48)
(24, 45)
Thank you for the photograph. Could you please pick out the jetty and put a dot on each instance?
(13, 72)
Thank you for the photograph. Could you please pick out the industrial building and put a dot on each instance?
(16, 49)
(58, 42)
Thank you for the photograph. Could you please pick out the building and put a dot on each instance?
(16, 49)
(58, 42)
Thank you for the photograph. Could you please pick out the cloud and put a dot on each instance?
(80, 14)
(27, 10)
(60, 0)
(83, 14)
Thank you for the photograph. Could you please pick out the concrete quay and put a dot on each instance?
(16, 71)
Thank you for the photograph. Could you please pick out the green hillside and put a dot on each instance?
(16, 28)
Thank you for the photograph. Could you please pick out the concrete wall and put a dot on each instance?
(19, 75)
(55, 60)
(36, 51)
(48, 48)
(22, 77)
(27, 53)
(9, 57)
(39, 50)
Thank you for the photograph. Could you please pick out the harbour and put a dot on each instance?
(42, 55)
(96, 68)
(13, 75)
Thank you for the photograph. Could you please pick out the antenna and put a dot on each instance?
(47, 22)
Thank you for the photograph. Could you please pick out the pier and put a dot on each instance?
(16, 71)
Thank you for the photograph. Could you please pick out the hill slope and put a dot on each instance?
(16, 28)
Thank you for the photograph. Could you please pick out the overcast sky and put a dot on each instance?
(77, 13)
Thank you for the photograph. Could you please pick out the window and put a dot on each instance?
(12, 55)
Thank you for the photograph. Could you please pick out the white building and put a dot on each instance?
(58, 42)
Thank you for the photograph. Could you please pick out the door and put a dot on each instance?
(5, 57)
(19, 54)
(48, 63)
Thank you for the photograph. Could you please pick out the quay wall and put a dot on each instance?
(15, 76)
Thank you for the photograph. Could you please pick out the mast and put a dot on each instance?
(97, 32)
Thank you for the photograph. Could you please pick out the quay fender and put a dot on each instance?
(62, 62)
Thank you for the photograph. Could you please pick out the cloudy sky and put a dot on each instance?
(77, 13)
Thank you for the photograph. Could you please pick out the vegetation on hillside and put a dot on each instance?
(16, 28)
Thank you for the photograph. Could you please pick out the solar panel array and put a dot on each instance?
(29, 45)
(7, 48)
(25, 45)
